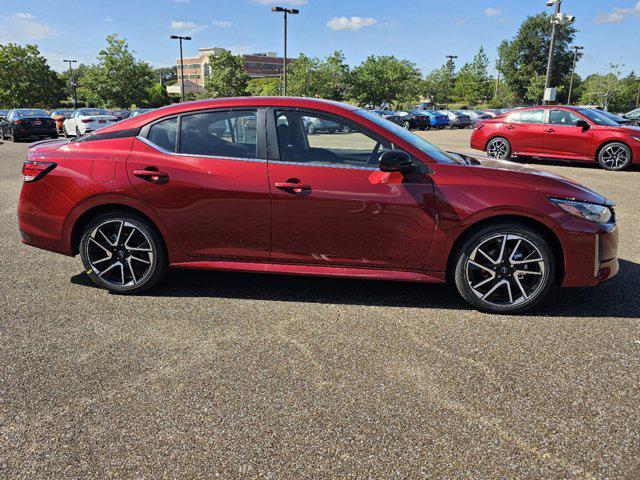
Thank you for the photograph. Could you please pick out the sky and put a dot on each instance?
(423, 31)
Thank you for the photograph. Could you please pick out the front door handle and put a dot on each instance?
(293, 185)
(510, 127)
(550, 130)
(152, 175)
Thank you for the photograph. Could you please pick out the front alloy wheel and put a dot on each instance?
(614, 156)
(499, 148)
(505, 269)
(122, 253)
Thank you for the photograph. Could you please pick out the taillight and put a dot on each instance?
(32, 171)
(87, 120)
(18, 122)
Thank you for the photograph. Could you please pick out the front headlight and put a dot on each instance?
(588, 211)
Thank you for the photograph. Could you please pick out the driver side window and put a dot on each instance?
(562, 117)
(313, 138)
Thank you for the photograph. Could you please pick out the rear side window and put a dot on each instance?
(163, 134)
(527, 116)
(220, 134)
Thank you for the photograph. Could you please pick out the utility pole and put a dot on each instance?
(180, 38)
(495, 93)
(638, 96)
(451, 58)
(286, 11)
(552, 43)
(573, 71)
(74, 85)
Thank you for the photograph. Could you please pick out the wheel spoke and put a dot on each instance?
(494, 288)
(524, 294)
(476, 264)
(109, 268)
(139, 259)
(502, 247)
(133, 274)
(106, 238)
(91, 239)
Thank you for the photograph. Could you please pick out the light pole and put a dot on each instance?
(450, 59)
(181, 38)
(495, 93)
(573, 70)
(286, 11)
(73, 83)
(557, 19)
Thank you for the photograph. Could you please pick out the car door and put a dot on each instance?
(524, 130)
(205, 177)
(332, 205)
(563, 137)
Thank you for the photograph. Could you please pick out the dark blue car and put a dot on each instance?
(436, 120)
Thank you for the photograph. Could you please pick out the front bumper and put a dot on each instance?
(590, 252)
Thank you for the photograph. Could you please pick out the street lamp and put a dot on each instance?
(451, 58)
(73, 83)
(573, 70)
(286, 11)
(557, 19)
(181, 38)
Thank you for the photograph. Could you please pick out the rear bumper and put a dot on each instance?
(36, 132)
(590, 252)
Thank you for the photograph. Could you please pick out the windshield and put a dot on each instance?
(94, 112)
(418, 142)
(31, 113)
(597, 118)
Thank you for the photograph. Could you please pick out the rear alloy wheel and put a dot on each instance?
(505, 269)
(123, 253)
(614, 156)
(499, 148)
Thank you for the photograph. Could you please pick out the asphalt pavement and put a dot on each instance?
(237, 375)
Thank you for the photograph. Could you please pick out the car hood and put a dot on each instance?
(548, 183)
(628, 129)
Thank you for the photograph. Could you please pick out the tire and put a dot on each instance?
(493, 283)
(78, 134)
(499, 147)
(440, 127)
(129, 258)
(64, 132)
(311, 129)
(13, 137)
(448, 126)
(615, 156)
(54, 136)
(406, 125)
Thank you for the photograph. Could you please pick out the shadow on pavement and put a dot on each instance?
(615, 298)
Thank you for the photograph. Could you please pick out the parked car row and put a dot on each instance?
(23, 123)
(420, 118)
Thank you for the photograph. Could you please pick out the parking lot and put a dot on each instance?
(243, 375)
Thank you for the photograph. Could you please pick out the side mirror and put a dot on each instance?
(583, 124)
(395, 161)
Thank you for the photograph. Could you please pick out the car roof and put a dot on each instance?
(231, 102)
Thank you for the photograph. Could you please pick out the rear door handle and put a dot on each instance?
(510, 127)
(550, 130)
(152, 175)
(293, 186)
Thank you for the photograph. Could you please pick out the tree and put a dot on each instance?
(264, 87)
(312, 77)
(118, 80)
(438, 84)
(166, 75)
(26, 80)
(228, 77)
(157, 96)
(525, 56)
(78, 75)
(381, 80)
(472, 84)
(602, 89)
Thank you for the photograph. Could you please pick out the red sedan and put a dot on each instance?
(570, 133)
(241, 184)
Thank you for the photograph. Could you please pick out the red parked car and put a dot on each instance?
(570, 133)
(240, 184)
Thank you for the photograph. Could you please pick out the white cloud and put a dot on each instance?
(460, 21)
(223, 23)
(20, 27)
(618, 14)
(281, 2)
(353, 23)
(492, 11)
(186, 27)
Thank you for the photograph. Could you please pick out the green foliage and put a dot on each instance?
(264, 87)
(525, 56)
(472, 84)
(385, 79)
(26, 80)
(118, 80)
(312, 77)
(166, 75)
(157, 96)
(438, 84)
(228, 78)
(610, 91)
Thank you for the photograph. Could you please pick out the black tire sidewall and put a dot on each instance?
(508, 155)
(477, 238)
(159, 268)
(624, 166)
